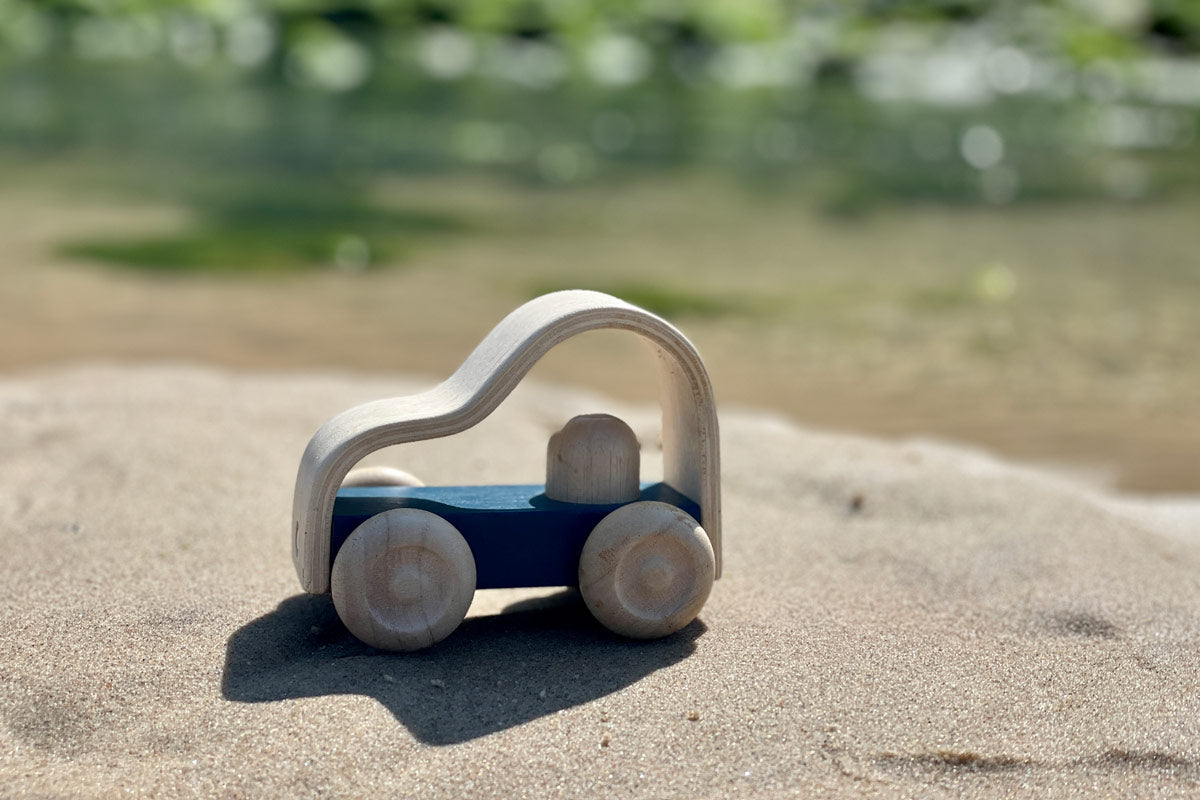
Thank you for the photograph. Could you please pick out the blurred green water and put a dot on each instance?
(240, 110)
(264, 224)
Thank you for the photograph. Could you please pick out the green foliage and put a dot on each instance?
(1083, 29)
(945, 298)
(672, 302)
(216, 249)
(274, 228)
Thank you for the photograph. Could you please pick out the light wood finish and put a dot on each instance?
(691, 453)
(403, 580)
(593, 459)
(380, 476)
(646, 570)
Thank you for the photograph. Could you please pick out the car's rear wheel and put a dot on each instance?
(646, 570)
(403, 580)
(380, 476)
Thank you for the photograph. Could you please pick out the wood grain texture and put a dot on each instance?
(646, 570)
(691, 451)
(593, 459)
(403, 580)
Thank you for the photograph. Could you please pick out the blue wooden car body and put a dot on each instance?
(517, 535)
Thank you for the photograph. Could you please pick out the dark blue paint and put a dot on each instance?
(519, 537)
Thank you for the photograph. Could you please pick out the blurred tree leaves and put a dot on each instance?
(1079, 28)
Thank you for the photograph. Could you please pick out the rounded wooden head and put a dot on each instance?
(594, 459)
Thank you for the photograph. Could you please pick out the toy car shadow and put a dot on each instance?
(536, 658)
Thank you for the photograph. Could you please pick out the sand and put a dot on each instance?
(895, 620)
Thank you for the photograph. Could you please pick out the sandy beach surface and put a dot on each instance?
(895, 620)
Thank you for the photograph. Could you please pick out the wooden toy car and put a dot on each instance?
(403, 560)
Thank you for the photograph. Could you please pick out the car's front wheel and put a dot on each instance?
(403, 580)
(646, 570)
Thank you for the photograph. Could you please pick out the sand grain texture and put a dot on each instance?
(895, 621)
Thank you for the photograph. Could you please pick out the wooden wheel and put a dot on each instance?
(380, 476)
(403, 580)
(646, 570)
